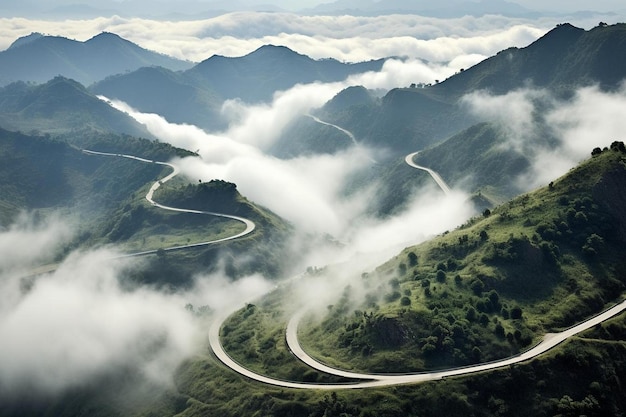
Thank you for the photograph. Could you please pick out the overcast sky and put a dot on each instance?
(554, 5)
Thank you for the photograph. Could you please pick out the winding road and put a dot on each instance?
(363, 380)
(347, 132)
(440, 182)
(549, 341)
(250, 226)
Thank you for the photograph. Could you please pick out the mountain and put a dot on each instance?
(165, 92)
(557, 254)
(256, 76)
(60, 106)
(490, 289)
(196, 95)
(38, 58)
(478, 159)
(566, 57)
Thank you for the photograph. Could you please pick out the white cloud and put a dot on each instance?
(555, 135)
(28, 241)
(80, 322)
(309, 191)
(514, 112)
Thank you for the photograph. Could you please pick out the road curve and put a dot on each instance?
(250, 226)
(380, 380)
(347, 132)
(440, 182)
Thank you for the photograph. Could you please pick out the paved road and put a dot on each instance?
(378, 380)
(364, 380)
(250, 226)
(440, 182)
(347, 132)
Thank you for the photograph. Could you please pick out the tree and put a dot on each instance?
(470, 315)
(441, 276)
(477, 286)
(516, 313)
(484, 236)
(596, 151)
(412, 259)
(499, 330)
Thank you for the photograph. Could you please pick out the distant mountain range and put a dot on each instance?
(61, 106)
(404, 120)
(412, 119)
(195, 96)
(38, 58)
(564, 59)
(179, 90)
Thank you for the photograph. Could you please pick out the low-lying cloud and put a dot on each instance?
(82, 321)
(554, 134)
(310, 191)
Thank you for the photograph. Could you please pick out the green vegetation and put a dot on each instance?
(255, 336)
(107, 195)
(61, 106)
(539, 263)
(478, 153)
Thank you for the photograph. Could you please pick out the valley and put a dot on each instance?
(273, 234)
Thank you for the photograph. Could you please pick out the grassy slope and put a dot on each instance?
(550, 385)
(107, 196)
(479, 160)
(555, 256)
(61, 106)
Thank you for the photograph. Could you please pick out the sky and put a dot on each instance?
(290, 5)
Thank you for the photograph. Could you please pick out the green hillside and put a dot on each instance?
(107, 196)
(38, 58)
(478, 159)
(539, 263)
(415, 118)
(61, 106)
(44, 173)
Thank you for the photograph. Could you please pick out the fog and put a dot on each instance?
(83, 321)
(310, 191)
(554, 134)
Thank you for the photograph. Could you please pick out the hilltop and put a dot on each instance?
(566, 58)
(61, 106)
(201, 90)
(540, 262)
(38, 58)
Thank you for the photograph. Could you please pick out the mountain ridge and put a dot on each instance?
(61, 105)
(38, 58)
